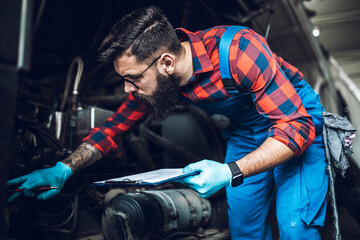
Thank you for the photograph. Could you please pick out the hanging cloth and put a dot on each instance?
(338, 132)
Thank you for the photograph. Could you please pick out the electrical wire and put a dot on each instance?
(67, 219)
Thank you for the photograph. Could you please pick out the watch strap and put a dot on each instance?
(237, 175)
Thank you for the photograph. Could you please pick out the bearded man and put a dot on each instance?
(274, 138)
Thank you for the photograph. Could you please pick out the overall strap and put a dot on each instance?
(224, 51)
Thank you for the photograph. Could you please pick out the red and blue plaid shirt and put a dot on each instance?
(254, 67)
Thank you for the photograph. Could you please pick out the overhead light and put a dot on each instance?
(316, 32)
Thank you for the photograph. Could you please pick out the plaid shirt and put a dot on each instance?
(254, 67)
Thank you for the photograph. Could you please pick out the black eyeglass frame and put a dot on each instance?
(139, 76)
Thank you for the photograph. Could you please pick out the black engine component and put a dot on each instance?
(154, 214)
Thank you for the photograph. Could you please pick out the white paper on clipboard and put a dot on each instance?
(148, 178)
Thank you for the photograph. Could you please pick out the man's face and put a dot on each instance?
(158, 91)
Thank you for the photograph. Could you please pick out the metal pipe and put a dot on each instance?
(344, 78)
(10, 13)
(25, 38)
(75, 93)
(80, 67)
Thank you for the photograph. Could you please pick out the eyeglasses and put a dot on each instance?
(139, 76)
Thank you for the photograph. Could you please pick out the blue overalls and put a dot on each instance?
(301, 183)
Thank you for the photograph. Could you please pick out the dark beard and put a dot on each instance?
(163, 101)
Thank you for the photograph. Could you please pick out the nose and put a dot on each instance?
(128, 88)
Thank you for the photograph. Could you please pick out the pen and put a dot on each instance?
(37, 189)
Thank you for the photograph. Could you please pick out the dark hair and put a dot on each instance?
(143, 33)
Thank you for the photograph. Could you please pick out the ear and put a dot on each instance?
(167, 62)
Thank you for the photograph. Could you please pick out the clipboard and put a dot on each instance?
(150, 178)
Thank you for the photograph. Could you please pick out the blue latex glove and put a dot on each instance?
(212, 177)
(54, 176)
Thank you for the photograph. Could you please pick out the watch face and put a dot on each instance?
(237, 180)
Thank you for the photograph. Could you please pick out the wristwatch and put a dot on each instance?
(237, 176)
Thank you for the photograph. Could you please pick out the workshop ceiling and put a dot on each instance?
(339, 25)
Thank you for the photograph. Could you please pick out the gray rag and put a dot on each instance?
(338, 133)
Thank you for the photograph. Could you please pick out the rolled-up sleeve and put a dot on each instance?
(127, 117)
(255, 69)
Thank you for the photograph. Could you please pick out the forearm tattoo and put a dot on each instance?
(83, 156)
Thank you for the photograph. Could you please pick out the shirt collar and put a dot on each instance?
(201, 60)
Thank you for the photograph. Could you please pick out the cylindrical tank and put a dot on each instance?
(154, 214)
